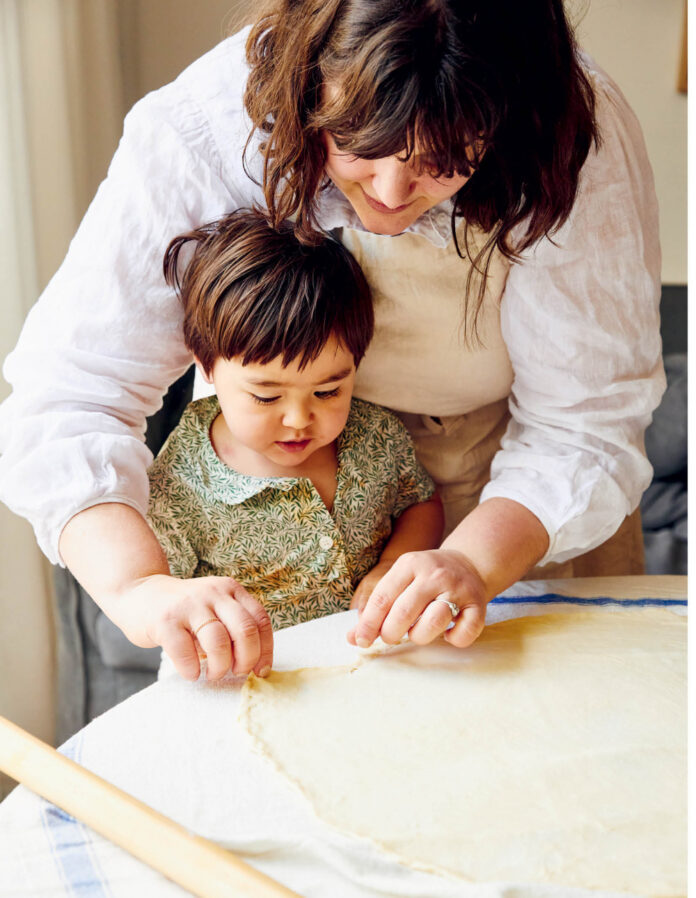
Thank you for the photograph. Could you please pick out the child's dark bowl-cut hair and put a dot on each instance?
(255, 293)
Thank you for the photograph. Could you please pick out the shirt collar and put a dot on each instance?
(224, 484)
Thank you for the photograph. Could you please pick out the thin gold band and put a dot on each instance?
(211, 620)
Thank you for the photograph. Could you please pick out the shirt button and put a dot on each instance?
(325, 543)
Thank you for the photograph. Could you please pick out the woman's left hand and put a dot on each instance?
(403, 601)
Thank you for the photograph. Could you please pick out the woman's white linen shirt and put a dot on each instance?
(104, 342)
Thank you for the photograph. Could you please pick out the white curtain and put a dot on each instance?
(60, 118)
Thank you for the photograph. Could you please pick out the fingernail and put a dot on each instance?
(363, 643)
(264, 672)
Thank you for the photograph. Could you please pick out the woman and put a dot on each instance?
(494, 186)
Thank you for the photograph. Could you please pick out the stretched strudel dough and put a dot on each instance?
(551, 751)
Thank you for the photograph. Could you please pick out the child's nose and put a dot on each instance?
(297, 416)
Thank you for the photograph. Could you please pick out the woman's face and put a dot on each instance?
(387, 194)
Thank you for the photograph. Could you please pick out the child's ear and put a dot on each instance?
(206, 377)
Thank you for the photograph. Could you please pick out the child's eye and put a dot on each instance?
(263, 400)
(327, 394)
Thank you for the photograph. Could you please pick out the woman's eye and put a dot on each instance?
(327, 394)
(263, 400)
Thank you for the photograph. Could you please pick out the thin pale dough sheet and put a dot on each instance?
(552, 751)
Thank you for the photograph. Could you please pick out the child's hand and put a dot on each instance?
(215, 613)
(403, 601)
(368, 583)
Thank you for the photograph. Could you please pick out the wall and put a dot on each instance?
(152, 54)
(638, 42)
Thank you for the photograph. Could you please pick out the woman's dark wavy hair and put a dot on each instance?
(491, 88)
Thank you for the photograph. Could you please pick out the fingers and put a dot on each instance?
(214, 639)
(405, 611)
(241, 637)
(362, 593)
(379, 605)
(405, 600)
(218, 615)
(179, 645)
(368, 583)
(468, 626)
(253, 647)
(359, 598)
(433, 622)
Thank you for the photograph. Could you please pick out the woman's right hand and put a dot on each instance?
(216, 613)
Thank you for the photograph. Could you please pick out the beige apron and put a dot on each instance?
(451, 396)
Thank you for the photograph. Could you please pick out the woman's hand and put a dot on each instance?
(116, 557)
(493, 547)
(403, 600)
(216, 613)
(368, 583)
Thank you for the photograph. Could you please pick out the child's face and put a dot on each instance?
(280, 414)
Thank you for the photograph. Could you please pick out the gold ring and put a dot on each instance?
(211, 620)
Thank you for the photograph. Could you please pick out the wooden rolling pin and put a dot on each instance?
(194, 863)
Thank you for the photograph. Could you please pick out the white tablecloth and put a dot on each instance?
(178, 747)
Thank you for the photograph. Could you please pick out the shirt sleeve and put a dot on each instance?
(168, 513)
(104, 341)
(580, 317)
(414, 483)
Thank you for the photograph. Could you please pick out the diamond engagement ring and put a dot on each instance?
(454, 609)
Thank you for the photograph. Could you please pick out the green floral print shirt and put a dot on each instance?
(274, 535)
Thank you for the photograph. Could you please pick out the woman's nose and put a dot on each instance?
(393, 182)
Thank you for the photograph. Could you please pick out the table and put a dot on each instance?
(177, 746)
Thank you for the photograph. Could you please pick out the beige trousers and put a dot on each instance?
(457, 452)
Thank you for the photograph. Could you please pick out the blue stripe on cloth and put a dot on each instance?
(69, 841)
(553, 598)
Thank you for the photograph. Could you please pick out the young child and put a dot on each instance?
(282, 481)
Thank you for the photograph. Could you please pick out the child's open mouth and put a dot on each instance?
(293, 445)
